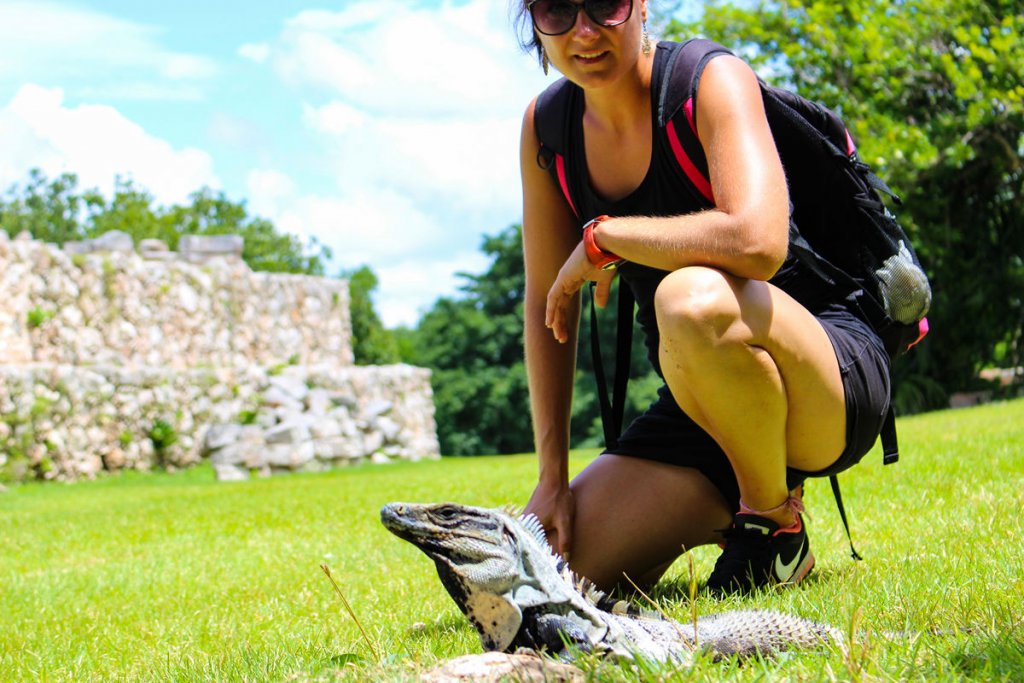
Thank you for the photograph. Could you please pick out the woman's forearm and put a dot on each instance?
(749, 248)
(550, 368)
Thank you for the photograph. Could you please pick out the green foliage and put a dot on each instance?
(473, 345)
(163, 435)
(932, 92)
(108, 564)
(57, 211)
(37, 316)
(372, 344)
(49, 210)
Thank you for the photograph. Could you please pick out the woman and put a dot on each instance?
(769, 376)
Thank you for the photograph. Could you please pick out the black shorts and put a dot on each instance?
(666, 434)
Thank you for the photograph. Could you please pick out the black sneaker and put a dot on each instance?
(758, 553)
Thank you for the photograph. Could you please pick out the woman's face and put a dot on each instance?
(589, 54)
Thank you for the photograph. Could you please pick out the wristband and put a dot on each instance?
(598, 257)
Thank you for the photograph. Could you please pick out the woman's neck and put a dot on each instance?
(618, 104)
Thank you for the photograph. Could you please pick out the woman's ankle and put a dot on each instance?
(785, 514)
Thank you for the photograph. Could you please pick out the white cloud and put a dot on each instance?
(439, 123)
(335, 119)
(54, 42)
(372, 226)
(406, 247)
(409, 287)
(403, 58)
(256, 52)
(417, 113)
(97, 143)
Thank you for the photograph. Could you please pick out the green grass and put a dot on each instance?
(178, 577)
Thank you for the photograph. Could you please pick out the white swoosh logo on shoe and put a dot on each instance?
(784, 572)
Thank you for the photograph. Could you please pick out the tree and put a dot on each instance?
(130, 210)
(931, 90)
(371, 343)
(474, 347)
(56, 211)
(49, 210)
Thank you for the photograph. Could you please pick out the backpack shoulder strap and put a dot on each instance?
(681, 75)
(677, 93)
(550, 122)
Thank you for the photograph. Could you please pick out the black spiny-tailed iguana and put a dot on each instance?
(505, 578)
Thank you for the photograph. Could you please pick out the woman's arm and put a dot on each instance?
(747, 232)
(550, 235)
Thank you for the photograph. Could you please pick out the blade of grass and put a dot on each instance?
(351, 613)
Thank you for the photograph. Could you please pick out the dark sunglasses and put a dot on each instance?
(555, 17)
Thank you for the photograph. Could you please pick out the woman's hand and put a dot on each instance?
(576, 271)
(555, 507)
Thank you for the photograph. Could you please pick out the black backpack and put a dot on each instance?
(841, 229)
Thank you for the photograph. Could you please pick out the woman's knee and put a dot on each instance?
(697, 304)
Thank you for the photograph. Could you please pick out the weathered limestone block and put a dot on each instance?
(114, 240)
(200, 248)
(153, 249)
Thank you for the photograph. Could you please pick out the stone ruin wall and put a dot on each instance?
(113, 359)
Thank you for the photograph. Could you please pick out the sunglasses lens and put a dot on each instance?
(609, 12)
(553, 17)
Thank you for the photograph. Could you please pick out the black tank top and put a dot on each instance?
(661, 193)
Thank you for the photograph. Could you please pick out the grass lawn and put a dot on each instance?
(178, 577)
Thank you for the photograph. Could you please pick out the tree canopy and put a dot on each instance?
(372, 344)
(474, 346)
(58, 211)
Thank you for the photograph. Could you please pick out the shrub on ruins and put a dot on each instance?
(57, 210)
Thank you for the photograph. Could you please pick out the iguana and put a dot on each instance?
(503, 575)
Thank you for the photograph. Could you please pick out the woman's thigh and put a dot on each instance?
(635, 516)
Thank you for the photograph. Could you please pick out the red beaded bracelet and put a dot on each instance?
(605, 260)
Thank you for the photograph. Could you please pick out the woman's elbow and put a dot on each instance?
(769, 247)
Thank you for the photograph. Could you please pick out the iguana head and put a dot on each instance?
(492, 563)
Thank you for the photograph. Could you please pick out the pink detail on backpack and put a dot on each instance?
(922, 329)
(695, 176)
(560, 169)
(850, 147)
(688, 110)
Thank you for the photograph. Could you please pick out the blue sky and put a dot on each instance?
(387, 129)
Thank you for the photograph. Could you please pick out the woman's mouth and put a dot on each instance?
(591, 57)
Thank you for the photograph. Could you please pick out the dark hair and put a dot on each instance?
(522, 22)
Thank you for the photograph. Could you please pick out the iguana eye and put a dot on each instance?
(446, 514)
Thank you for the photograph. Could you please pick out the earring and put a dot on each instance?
(544, 62)
(645, 41)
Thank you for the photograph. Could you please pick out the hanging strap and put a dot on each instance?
(890, 454)
(834, 480)
(612, 410)
(890, 446)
